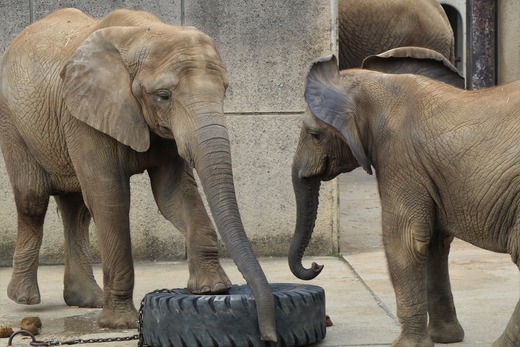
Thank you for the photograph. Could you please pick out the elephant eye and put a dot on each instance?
(163, 94)
(315, 135)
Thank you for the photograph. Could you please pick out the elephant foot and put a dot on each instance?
(83, 296)
(122, 316)
(413, 341)
(446, 332)
(505, 341)
(208, 280)
(24, 291)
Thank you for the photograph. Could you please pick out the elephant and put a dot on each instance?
(84, 105)
(369, 27)
(321, 155)
(446, 163)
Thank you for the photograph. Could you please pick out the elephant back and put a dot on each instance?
(369, 27)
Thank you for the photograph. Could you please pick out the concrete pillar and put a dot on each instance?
(508, 41)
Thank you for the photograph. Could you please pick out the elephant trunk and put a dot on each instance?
(211, 157)
(306, 191)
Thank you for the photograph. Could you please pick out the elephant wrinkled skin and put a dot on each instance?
(446, 162)
(369, 27)
(85, 104)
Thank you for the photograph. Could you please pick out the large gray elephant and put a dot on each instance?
(369, 27)
(85, 104)
(446, 162)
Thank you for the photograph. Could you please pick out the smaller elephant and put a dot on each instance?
(368, 27)
(447, 164)
(321, 155)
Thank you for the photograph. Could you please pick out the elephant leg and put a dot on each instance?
(80, 287)
(511, 336)
(28, 181)
(175, 191)
(443, 327)
(31, 208)
(406, 243)
(110, 212)
(108, 201)
(105, 186)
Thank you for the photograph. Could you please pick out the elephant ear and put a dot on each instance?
(415, 60)
(328, 101)
(97, 88)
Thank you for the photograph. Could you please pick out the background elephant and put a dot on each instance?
(369, 27)
(85, 104)
(446, 162)
(415, 60)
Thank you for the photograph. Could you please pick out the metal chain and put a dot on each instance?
(35, 342)
(141, 343)
(139, 336)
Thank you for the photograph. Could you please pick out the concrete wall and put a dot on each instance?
(267, 47)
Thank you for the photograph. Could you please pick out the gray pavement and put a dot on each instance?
(360, 298)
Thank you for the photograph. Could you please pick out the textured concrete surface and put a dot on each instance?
(359, 297)
(14, 16)
(167, 10)
(267, 47)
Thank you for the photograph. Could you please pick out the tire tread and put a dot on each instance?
(180, 318)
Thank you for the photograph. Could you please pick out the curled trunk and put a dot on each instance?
(306, 191)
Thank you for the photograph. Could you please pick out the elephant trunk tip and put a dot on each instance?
(268, 328)
(317, 268)
(269, 337)
(306, 274)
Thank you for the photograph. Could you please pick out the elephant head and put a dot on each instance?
(130, 82)
(329, 141)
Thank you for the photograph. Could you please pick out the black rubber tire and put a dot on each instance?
(183, 319)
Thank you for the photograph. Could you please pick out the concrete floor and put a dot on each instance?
(360, 298)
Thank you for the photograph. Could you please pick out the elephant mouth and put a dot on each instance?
(164, 132)
(328, 172)
(332, 170)
(327, 178)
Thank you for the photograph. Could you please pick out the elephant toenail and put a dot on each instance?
(34, 301)
(219, 287)
(204, 289)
